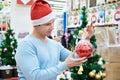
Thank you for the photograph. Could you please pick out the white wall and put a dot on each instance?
(20, 18)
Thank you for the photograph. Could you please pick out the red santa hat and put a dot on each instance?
(41, 12)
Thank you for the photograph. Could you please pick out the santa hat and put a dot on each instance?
(41, 12)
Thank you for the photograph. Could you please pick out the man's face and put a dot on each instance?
(45, 29)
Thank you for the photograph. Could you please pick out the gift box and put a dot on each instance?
(15, 73)
(6, 71)
(12, 79)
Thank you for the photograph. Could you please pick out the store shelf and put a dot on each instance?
(106, 25)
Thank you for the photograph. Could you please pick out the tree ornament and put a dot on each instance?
(116, 16)
(12, 42)
(103, 74)
(12, 46)
(92, 73)
(101, 59)
(97, 76)
(81, 17)
(6, 3)
(81, 32)
(13, 57)
(13, 53)
(11, 36)
(100, 62)
(80, 70)
(84, 48)
(72, 49)
(101, 15)
(1, 6)
(93, 18)
(0, 50)
(100, 72)
(13, 33)
(5, 49)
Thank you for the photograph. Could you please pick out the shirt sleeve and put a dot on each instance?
(28, 64)
(64, 53)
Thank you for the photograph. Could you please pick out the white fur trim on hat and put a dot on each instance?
(44, 19)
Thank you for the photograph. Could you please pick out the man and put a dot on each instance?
(70, 37)
(37, 56)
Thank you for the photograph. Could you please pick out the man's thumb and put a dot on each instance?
(72, 54)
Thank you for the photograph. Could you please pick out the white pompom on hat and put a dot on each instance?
(41, 12)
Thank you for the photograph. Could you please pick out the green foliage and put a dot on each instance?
(89, 65)
(8, 48)
(63, 79)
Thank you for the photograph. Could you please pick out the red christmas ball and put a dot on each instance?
(84, 48)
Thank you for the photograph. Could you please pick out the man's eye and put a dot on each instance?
(49, 24)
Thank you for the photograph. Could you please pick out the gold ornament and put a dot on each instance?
(6, 3)
(81, 32)
(12, 46)
(97, 76)
(100, 72)
(101, 59)
(80, 70)
(72, 49)
(92, 74)
(103, 75)
(0, 50)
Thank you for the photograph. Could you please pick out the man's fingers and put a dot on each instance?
(91, 24)
(84, 60)
(90, 27)
(72, 54)
(80, 59)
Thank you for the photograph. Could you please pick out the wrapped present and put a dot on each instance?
(6, 71)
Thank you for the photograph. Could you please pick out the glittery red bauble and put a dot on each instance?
(84, 48)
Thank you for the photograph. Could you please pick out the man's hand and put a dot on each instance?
(71, 62)
(90, 31)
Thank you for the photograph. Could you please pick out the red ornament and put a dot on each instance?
(84, 48)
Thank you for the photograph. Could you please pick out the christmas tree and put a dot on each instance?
(8, 47)
(93, 68)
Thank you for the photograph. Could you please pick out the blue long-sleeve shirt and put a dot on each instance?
(37, 60)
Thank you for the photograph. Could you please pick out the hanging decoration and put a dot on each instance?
(25, 2)
(6, 3)
(1, 6)
(73, 18)
(117, 13)
(84, 48)
(117, 16)
(93, 19)
(100, 16)
(109, 14)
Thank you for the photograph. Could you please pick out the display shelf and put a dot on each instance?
(109, 2)
(106, 25)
